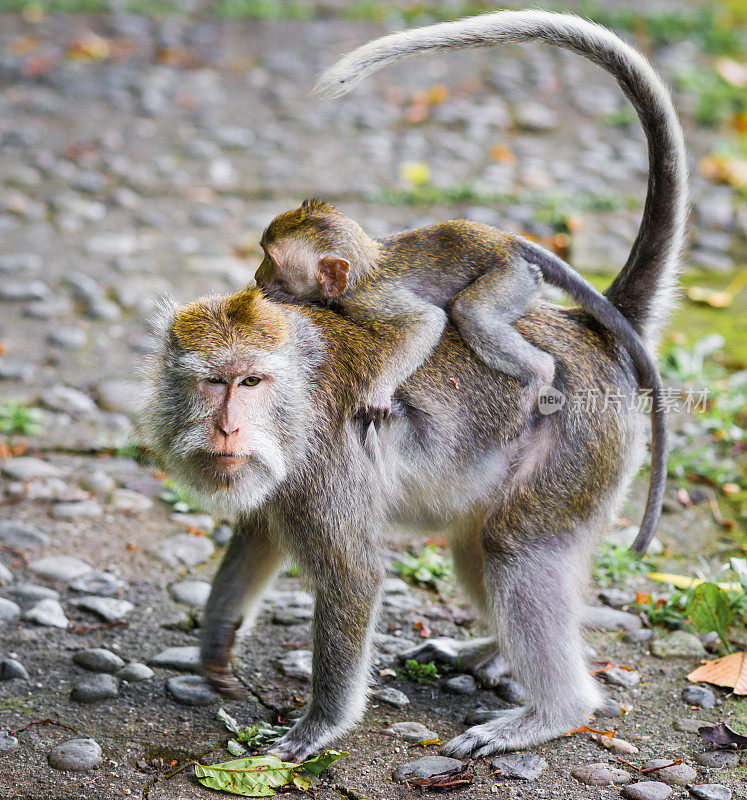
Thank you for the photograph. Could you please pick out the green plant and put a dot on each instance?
(429, 565)
(613, 563)
(621, 118)
(16, 418)
(421, 673)
(716, 99)
(709, 609)
(179, 497)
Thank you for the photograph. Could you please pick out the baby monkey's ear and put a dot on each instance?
(332, 275)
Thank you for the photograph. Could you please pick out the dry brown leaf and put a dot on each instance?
(729, 671)
(587, 729)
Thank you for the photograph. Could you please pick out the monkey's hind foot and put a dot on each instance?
(512, 729)
(224, 682)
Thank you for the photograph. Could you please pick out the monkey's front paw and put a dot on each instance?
(224, 682)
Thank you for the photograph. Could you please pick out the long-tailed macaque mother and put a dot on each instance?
(254, 406)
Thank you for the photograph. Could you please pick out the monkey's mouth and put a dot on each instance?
(226, 463)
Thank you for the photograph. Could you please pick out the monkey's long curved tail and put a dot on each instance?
(644, 289)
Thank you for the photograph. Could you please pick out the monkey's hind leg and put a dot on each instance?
(251, 562)
(484, 312)
(535, 597)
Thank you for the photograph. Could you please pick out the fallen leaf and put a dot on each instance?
(732, 72)
(89, 47)
(587, 729)
(722, 736)
(729, 671)
(437, 94)
(685, 582)
(462, 776)
(425, 743)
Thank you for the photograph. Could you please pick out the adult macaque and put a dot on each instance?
(254, 407)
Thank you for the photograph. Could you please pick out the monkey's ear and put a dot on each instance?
(332, 275)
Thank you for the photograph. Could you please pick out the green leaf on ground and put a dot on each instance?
(261, 776)
(710, 610)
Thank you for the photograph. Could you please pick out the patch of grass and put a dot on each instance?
(17, 418)
(717, 100)
(421, 673)
(426, 567)
(621, 118)
(179, 497)
(613, 563)
(553, 208)
(266, 10)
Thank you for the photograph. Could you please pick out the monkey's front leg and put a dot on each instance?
(345, 615)
(248, 567)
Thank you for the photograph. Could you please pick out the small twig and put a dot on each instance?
(644, 770)
(99, 626)
(42, 722)
(178, 769)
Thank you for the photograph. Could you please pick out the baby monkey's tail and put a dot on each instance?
(644, 289)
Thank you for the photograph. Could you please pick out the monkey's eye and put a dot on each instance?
(216, 380)
(252, 380)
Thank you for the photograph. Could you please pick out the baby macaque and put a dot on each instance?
(405, 287)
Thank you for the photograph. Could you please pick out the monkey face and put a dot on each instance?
(222, 393)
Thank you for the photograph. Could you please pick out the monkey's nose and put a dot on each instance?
(227, 428)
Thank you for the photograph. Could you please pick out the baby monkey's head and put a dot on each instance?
(314, 252)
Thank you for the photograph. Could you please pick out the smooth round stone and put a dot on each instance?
(98, 659)
(77, 509)
(616, 598)
(27, 468)
(609, 708)
(184, 658)
(290, 599)
(426, 767)
(31, 592)
(68, 400)
(640, 636)
(7, 742)
(627, 678)
(47, 612)
(8, 611)
(296, 664)
(191, 593)
(103, 584)
(95, 689)
(75, 755)
(718, 759)
(510, 691)
(67, 338)
(687, 725)
(99, 481)
(109, 609)
(292, 616)
(678, 644)
(601, 774)
(184, 550)
(20, 534)
(23, 290)
(135, 672)
(410, 731)
(710, 791)
(20, 262)
(392, 696)
(648, 790)
(699, 696)
(6, 576)
(674, 775)
(395, 586)
(191, 690)
(520, 766)
(222, 535)
(60, 568)
(461, 684)
(603, 618)
(10, 669)
(130, 502)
